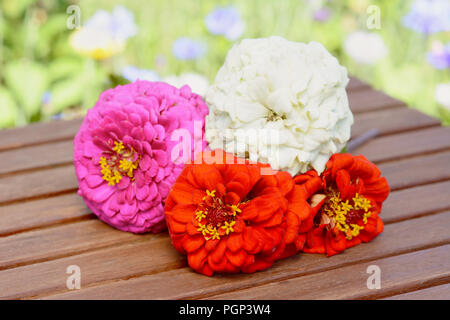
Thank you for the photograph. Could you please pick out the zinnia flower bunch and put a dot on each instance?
(245, 206)
(228, 217)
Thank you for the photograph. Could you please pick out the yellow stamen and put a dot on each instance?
(210, 193)
(215, 234)
(338, 210)
(200, 215)
(203, 229)
(235, 209)
(118, 147)
(229, 227)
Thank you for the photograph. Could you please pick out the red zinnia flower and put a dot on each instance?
(346, 201)
(227, 217)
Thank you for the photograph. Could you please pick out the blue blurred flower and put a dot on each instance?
(428, 16)
(322, 14)
(132, 73)
(440, 58)
(120, 23)
(46, 97)
(187, 49)
(225, 21)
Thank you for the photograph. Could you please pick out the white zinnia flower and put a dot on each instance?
(280, 102)
(198, 83)
(365, 47)
(442, 94)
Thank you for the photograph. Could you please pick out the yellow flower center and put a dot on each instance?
(345, 215)
(118, 163)
(215, 218)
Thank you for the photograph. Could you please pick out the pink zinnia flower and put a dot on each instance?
(122, 152)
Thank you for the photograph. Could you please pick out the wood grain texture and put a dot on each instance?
(416, 202)
(406, 144)
(38, 183)
(369, 100)
(441, 292)
(19, 217)
(155, 254)
(393, 121)
(60, 241)
(44, 155)
(416, 171)
(37, 133)
(412, 270)
(184, 283)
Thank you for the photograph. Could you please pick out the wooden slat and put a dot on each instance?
(356, 84)
(413, 270)
(60, 241)
(38, 133)
(37, 183)
(36, 156)
(120, 262)
(441, 292)
(415, 171)
(369, 100)
(43, 212)
(416, 202)
(406, 144)
(184, 283)
(392, 121)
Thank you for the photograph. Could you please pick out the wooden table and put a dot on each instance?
(45, 227)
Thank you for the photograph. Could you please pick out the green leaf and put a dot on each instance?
(8, 109)
(27, 81)
(64, 68)
(66, 93)
(81, 90)
(15, 8)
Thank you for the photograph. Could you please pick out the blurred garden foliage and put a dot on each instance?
(48, 70)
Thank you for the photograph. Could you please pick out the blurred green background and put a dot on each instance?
(54, 63)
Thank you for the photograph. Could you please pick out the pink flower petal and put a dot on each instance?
(145, 163)
(94, 181)
(142, 193)
(102, 193)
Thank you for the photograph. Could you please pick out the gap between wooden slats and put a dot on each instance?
(38, 133)
(398, 238)
(370, 100)
(405, 145)
(61, 241)
(440, 292)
